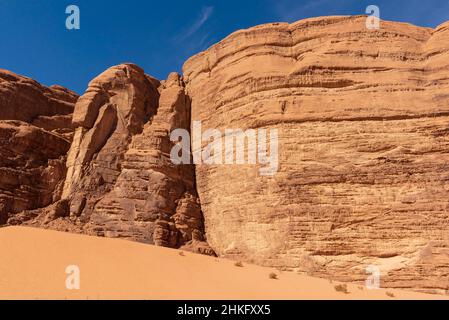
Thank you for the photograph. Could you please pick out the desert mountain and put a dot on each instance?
(362, 118)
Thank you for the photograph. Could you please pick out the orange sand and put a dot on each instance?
(33, 264)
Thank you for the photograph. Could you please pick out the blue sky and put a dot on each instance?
(159, 36)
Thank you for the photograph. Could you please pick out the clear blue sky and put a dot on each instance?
(157, 35)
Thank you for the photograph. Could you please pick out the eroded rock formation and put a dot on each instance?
(362, 118)
(120, 179)
(35, 133)
(363, 121)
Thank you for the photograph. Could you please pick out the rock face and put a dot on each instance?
(362, 175)
(35, 132)
(120, 179)
(362, 118)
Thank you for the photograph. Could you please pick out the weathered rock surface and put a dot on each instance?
(362, 118)
(35, 136)
(363, 148)
(24, 99)
(120, 179)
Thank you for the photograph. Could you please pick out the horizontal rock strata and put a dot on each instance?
(362, 175)
(35, 133)
(362, 117)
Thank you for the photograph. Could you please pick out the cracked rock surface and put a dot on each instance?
(362, 119)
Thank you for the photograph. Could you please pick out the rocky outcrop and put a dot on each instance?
(24, 99)
(120, 181)
(361, 179)
(362, 118)
(35, 134)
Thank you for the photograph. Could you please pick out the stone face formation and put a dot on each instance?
(363, 179)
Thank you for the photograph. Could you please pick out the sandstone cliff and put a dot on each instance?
(120, 180)
(35, 133)
(362, 119)
(363, 145)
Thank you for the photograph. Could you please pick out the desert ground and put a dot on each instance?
(33, 266)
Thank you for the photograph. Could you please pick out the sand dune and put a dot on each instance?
(33, 266)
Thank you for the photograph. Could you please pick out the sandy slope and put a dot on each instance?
(33, 263)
